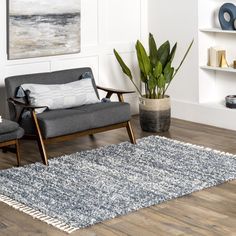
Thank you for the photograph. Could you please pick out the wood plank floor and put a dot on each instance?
(209, 212)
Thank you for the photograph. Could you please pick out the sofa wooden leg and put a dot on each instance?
(42, 151)
(17, 153)
(40, 139)
(130, 133)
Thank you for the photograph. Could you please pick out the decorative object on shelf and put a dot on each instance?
(234, 64)
(43, 28)
(230, 10)
(231, 101)
(223, 62)
(156, 74)
(215, 56)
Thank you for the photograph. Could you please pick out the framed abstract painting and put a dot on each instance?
(43, 28)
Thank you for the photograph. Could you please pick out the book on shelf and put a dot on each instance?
(215, 56)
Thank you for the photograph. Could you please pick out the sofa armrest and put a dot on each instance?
(114, 90)
(18, 103)
(119, 93)
(20, 107)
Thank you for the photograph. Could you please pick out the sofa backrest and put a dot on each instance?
(56, 77)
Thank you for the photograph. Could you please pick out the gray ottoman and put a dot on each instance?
(10, 132)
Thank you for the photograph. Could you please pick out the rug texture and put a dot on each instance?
(88, 187)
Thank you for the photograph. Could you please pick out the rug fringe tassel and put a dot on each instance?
(37, 214)
(199, 147)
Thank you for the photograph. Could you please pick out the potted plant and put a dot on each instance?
(156, 75)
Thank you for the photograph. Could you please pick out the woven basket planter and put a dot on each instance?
(155, 114)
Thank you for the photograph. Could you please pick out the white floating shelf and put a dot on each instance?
(218, 105)
(229, 69)
(218, 30)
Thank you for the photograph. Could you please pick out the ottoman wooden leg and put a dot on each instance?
(7, 146)
(17, 153)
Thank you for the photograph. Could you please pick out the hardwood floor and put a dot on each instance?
(209, 212)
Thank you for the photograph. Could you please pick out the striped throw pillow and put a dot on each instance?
(61, 96)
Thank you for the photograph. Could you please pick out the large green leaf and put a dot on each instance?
(185, 55)
(161, 82)
(158, 69)
(152, 83)
(172, 53)
(167, 67)
(143, 59)
(181, 63)
(124, 67)
(152, 50)
(168, 72)
(163, 53)
(143, 77)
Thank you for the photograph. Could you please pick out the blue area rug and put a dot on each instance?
(88, 187)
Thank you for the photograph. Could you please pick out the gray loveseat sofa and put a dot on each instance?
(64, 124)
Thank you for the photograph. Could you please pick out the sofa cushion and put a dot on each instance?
(61, 96)
(17, 134)
(67, 121)
(7, 126)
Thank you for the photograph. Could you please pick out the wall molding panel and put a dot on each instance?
(105, 25)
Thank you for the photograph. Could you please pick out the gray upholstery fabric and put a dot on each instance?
(17, 134)
(67, 121)
(7, 126)
(61, 122)
(57, 77)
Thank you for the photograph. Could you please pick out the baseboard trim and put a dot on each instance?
(204, 114)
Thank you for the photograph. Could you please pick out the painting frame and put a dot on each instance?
(35, 33)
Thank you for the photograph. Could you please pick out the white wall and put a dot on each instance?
(106, 24)
(177, 21)
(181, 21)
